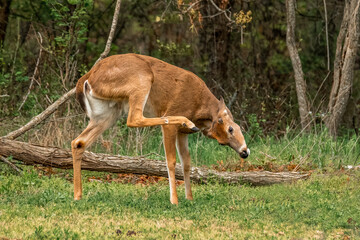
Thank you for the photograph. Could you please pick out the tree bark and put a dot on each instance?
(296, 63)
(345, 56)
(61, 158)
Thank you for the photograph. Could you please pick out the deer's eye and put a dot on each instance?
(231, 130)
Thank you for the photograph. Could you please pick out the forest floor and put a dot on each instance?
(39, 205)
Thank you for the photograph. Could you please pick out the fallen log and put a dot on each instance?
(61, 158)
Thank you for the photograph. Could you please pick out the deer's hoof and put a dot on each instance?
(195, 129)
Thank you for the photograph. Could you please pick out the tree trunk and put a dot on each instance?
(345, 56)
(4, 16)
(61, 158)
(296, 63)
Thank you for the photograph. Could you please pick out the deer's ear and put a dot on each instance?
(222, 105)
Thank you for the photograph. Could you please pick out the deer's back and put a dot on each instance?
(174, 91)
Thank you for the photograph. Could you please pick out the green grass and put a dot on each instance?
(34, 207)
(312, 150)
(324, 207)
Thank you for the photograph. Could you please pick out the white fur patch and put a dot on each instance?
(242, 149)
(98, 108)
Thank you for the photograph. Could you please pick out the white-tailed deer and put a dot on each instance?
(169, 96)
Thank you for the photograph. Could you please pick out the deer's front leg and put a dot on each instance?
(169, 139)
(184, 154)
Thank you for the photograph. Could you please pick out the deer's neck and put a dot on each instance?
(209, 106)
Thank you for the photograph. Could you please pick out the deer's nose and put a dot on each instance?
(244, 154)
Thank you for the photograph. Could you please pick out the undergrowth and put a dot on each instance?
(316, 149)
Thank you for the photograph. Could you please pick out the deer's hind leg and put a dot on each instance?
(79, 145)
(103, 114)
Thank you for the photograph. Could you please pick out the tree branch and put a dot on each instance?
(42, 116)
(327, 37)
(223, 11)
(13, 166)
(112, 31)
(33, 76)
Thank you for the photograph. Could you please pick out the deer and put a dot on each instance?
(153, 92)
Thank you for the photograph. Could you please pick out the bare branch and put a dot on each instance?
(232, 100)
(42, 116)
(33, 76)
(191, 6)
(327, 37)
(112, 32)
(223, 11)
(167, 6)
(13, 166)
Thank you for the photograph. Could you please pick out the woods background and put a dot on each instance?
(241, 49)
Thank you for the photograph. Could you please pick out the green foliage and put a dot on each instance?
(170, 51)
(255, 130)
(72, 24)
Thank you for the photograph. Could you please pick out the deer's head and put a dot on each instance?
(227, 132)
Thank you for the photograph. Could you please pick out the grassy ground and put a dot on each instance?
(41, 207)
(34, 206)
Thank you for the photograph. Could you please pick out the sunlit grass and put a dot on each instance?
(33, 207)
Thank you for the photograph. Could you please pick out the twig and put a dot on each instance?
(16, 49)
(33, 76)
(42, 116)
(267, 155)
(162, 15)
(112, 31)
(320, 88)
(191, 6)
(152, 153)
(13, 166)
(5, 95)
(327, 37)
(223, 11)
(302, 161)
(232, 100)
(302, 130)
